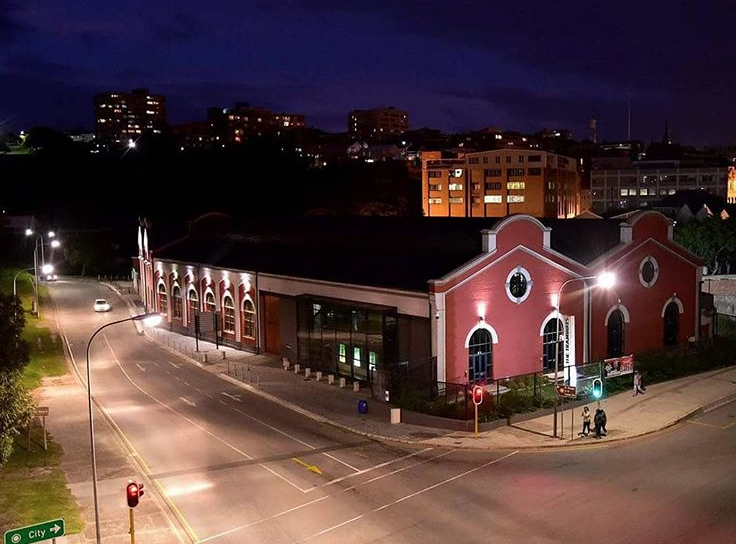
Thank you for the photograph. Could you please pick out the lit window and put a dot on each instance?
(356, 356)
(249, 319)
(517, 185)
(493, 199)
(435, 201)
(515, 198)
(456, 186)
(518, 285)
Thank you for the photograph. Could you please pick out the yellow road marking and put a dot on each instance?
(313, 468)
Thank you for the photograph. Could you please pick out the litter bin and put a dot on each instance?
(363, 406)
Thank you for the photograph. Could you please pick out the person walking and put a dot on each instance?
(637, 384)
(586, 422)
(604, 420)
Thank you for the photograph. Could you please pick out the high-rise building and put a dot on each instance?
(377, 123)
(124, 116)
(499, 183)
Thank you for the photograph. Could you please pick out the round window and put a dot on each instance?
(517, 285)
(648, 271)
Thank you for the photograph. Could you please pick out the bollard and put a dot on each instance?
(395, 415)
(307, 372)
(296, 368)
(356, 386)
(318, 375)
(342, 382)
(224, 355)
(205, 357)
(285, 362)
(330, 379)
(258, 380)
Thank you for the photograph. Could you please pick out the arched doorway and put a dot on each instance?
(616, 334)
(552, 333)
(480, 356)
(671, 324)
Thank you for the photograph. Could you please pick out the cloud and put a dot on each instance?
(29, 65)
(179, 29)
(10, 26)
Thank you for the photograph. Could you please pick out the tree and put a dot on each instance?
(16, 405)
(713, 239)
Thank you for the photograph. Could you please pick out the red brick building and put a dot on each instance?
(462, 299)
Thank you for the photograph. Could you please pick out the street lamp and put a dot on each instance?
(150, 320)
(15, 291)
(605, 280)
(44, 269)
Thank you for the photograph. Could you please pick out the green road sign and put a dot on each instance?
(35, 533)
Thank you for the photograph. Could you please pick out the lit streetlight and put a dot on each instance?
(606, 280)
(150, 320)
(15, 291)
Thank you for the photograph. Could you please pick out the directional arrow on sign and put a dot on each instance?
(55, 529)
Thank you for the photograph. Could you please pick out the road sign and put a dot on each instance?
(42, 410)
(567, 391)
(35, 533)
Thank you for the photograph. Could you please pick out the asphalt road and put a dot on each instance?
(236, 468)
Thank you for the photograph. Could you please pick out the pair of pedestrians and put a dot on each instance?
(599, 420)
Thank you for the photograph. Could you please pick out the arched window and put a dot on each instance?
(176, 299)
(193, 305)
(249, 319)
(228, 314)
(209, 303)
(162, 306)
(671, 324)
(480, 356)
(616, 334)
(552, 332)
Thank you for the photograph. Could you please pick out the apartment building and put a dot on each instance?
(618, 183)
(499, 183)
(234, 125)
(376, 123)
(124, 116)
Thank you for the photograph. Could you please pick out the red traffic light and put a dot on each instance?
(133, 493)
(477, 394)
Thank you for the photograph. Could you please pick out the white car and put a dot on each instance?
(101, 305)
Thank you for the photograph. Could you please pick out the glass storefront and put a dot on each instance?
(347, 339)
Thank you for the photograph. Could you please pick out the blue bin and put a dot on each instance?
(363, 406)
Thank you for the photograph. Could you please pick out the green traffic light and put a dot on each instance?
(597, 388)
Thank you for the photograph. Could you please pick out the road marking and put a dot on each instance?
(186, 383)
(140, 367)
(720, 427)
(324, 497)
(174, 364)
(197, 425)
(222, 402)
(197, 389)
(234, 397)
(312, 468)
(410, 496)
(189, 402)
(155, 363)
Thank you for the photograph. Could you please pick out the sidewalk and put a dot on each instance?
(662, 406)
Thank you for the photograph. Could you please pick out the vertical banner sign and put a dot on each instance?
(569, 350)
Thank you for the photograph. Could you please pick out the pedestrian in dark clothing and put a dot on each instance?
(604, 420)
(598, 422)
(587, 416)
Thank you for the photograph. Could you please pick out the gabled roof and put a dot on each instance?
(391, 252)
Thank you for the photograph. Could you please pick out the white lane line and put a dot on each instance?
(155, 363)
(177, 377)
(140, 367)
(410, 496)
(189, 402)
(197, 389)
(198, 426)
(186, 383)
(381, 465)
(320, 499)
(172, 363)
(222, 402)
(294, 438)
(210, 396)
(234, 397)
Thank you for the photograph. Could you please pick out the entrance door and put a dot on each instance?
(671, 322)
(616, 334)
(272, 330)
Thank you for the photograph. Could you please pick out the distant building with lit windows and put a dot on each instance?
(499, 183)
(234, 125)
(376, 123)
(120, 116)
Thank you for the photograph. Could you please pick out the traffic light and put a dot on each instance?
(597, 388)
(133, 492)
(477, 394)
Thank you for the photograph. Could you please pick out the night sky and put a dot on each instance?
(518, 65)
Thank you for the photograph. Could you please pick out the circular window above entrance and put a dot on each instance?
(648, 271)
(518, 285)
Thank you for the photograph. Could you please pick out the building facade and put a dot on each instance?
(236, 124)
(120, 117)
(453, 300)
(627, 184)
(499, 183)
(377, 123)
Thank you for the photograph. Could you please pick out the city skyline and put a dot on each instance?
(526, 67)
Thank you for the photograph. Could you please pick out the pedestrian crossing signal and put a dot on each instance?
(477, 394)
(597, 388)
(133, 493)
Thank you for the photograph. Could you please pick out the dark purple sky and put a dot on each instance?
(519, 65)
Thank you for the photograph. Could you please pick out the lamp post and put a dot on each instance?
(149, 320)
(605, 280)
(44, 269)
(15, 291)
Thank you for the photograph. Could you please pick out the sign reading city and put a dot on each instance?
(46, 530)
(567, 390)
